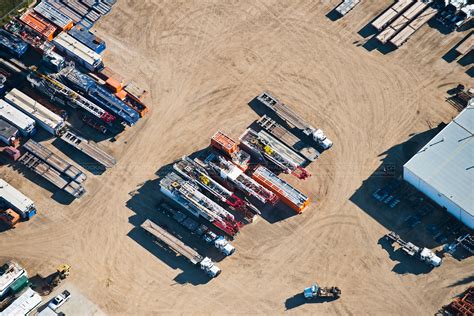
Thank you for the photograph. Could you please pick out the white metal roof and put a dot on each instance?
(23, 304)
(34, 108)
(77, 48)
(14, 197)
(447, 162)
(15, 116)
(13, 272)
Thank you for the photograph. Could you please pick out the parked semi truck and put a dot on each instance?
(161, 235)
(315, 291)
(219, 242)
(423, 254)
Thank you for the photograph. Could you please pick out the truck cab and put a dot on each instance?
(209, 267)
(311, 292)
(321, 138)
(429, 257)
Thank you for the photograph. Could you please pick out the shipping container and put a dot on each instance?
(20, 120)
(54, 16)
(39, 24)
(81, 54)
(17, 200)
(8, 133)
(48, 120)
(87, 38)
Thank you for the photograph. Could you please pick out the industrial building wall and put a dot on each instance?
(439, 198)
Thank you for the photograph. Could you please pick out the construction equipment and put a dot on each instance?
(62, 272)
(294, 120)
(192, 171)
(29, 35)
(17, 200)
(220, 168)
(9, 217)
(315, 291)
(219, 242)
(13, 44)
(288, 138)
(230, 148)
(466, 241)
(161, 235)
(263, 144)
(287, 194)
(423, 254)
(462, 306)
(186, 194)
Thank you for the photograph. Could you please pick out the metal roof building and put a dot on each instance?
(444, 168)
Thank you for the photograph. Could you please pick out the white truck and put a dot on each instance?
(160, 234)
(294, 120)
(423, 254)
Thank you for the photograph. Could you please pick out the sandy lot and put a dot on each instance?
(202, 62)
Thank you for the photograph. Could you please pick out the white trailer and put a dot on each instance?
(81, 54)
(45, 118)
(17, 200)
(20, 120)
(24, 304)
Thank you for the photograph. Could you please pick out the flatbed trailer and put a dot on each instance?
(402, 36)
(466, 46)
(402, 21)
(288, 138)
(47, 172)
(88, 148)
(161, 235)
(55, 161)
(263, 144)
(391, 14)
(346, 6)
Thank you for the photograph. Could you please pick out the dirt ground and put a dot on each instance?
(202, 62)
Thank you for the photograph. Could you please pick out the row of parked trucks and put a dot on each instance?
(239, 176)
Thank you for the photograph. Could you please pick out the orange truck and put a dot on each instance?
(9, 217)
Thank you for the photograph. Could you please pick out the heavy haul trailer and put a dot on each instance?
(59, 164)
(391, 14)
(403, 36)
(287, 194)
(48, 120)
(466, 46)
(219, 242)
(402, 21)
(263, 144)
(192, 171)
(39, 24)
(346, 6)
(288, 138)
(13, 44)
(99, 94)
(54, 16)
(88, 148)
(293, 119)
(161, 235)
(231, 149)
(15, 117)
(186, 194)
(47, 172)
(20, 203)
(62, 94)
(220, 168)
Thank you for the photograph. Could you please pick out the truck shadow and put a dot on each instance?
(298, 299)
(406, 264)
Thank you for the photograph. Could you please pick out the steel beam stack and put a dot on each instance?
(391, 14)
(403, 36)
(188, 196)
(223, 169)
(263, 144)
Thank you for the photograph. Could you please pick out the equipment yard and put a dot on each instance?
(201, 66)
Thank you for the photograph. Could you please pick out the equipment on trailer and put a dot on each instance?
(423, 254)
(315, 291)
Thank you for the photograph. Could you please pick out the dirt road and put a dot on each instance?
(202, 62)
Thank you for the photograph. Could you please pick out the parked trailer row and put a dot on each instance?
(399, 39)
(161, 235)
(20, 203)
(402, 21)
(15, 117)
(48, 120)
(391, 14)
(288, 138)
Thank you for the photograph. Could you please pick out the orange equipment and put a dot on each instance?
(227, 145)
(9, 217)
(39, 25)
